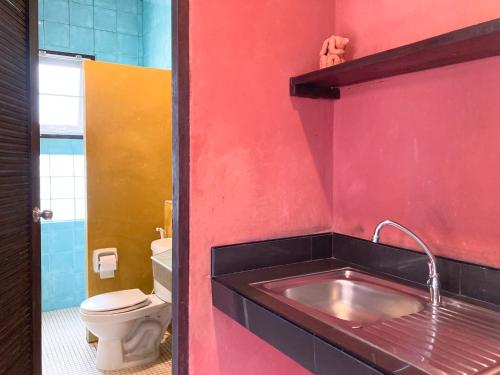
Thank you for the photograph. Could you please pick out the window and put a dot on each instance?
(61, 96)
(62, 160)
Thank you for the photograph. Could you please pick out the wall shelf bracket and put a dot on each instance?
(313, 91)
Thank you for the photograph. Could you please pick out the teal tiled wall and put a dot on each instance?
(109, 29)
(157, 33)
(63, 246)
(63, 264)
(61, 146)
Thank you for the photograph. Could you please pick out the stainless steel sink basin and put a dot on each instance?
(454, 338)
(353, 297)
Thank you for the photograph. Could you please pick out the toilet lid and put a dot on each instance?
(114, 302)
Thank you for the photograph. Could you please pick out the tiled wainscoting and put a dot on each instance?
(62, 182)
(63, 264)
(66, 351)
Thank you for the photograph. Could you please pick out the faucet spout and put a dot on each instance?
(433, 280)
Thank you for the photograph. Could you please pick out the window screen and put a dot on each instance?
(61, 96)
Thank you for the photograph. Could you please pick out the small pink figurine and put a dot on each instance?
(332, 52)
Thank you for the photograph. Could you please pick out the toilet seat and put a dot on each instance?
(115, 302)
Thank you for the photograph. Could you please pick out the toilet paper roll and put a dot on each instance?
(107, 266)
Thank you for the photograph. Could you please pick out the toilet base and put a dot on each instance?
(131, 338)
(110, 356)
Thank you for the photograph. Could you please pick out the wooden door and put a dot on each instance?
(19, 152)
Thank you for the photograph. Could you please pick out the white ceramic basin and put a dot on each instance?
(161, 245)
(162, 268)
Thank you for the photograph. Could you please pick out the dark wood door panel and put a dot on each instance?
(19, 237)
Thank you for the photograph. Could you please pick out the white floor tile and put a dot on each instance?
(65, 350)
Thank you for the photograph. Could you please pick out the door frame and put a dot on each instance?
(181, 185)
(36, 276)
(180, 178)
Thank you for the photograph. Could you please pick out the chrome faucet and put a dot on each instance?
(433, 281)
(161, 231)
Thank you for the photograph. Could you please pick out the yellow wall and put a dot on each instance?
(129, 163)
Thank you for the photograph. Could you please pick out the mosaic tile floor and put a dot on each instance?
(66, 352)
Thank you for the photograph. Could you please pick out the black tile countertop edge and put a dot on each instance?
(465, 279)
(259, 254)
(294, 332)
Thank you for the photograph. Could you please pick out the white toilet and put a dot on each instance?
(130, 324)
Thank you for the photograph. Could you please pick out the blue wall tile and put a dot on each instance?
(130, 6)
(128, 60)
(56, 35)
(109, 4)
(63, 247)
(127, 23)
(128, 45)
(81, 15)
(62, 282)
(105, 41)
(63, 264)
(157, 34)
(61, 239)
(141, 28)
(79, 262)
(77, 146)
(107, 57)
(81, 39)
(61, 146)
(40, 9)
(56, 11)
(93, 27)
(105, 19)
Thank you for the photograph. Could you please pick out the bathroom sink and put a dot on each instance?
(346, 296)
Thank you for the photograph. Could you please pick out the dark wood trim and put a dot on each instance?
(446, 49)
(314, 91)
(180, 150)
(61, 136)
(36, 276)
(68, 54)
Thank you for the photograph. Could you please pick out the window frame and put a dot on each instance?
(63, 129)
(65, 59)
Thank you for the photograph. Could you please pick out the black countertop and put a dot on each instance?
(240, 283)
(304, 338)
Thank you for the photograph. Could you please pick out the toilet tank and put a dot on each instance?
(162, 274)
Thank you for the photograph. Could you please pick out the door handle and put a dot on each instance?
(39, 214)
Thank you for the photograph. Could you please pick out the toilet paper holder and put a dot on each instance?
(97, 254)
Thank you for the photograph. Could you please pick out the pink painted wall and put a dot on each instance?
(422, 149)
(261, 163)
(377, 25)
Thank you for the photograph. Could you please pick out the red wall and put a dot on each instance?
(422, 149)
(261, 163)
(376, 25)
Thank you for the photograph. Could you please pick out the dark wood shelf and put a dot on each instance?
(467, 44)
